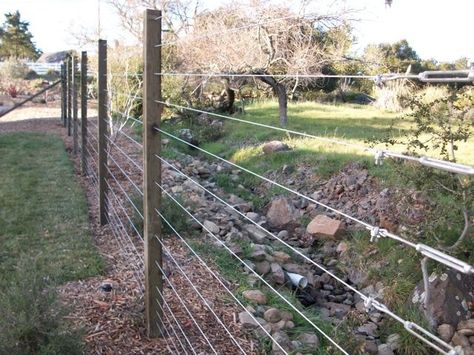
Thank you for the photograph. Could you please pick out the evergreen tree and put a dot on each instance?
(16, 39)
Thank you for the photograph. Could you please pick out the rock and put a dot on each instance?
(281, 257)
(385, 349)
(460, 340)
(278, 276)
(253, 216)
(283, 234)
(450, 293)
(256, 234)
(280, 325)
(393, 340)
(247, 322)
(186, 135)
(370, 347)
(262, 268)
(446, 332)
(369, 329)
(211, 226)
(255, 296)
(466, 324)
(280, 212)
(286, 316)
(272, 315)
(106, 287)
(342, 247)
(309, 340)
(275, 146)
(295, 268)
(325, 227)
(338, 310)
(282, 339)
(258, 255)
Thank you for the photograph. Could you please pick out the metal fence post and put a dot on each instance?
(152, 172)
(102, 125)
(74, 105)
(84, 111)
(69, 94)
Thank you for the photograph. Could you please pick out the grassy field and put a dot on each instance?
(44, 236)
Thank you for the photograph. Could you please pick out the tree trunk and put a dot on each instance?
(280, 91)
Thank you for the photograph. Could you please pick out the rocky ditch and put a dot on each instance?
(317, 234)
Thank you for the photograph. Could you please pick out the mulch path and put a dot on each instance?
(114, 321)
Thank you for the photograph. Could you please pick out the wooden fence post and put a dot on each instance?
(152, 172)
(84, 111)
(63, 94)
(69, 94)
(74, 105)
(102, 125)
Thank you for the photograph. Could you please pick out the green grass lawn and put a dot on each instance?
(44, 241)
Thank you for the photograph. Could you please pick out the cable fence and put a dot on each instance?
(154, 205)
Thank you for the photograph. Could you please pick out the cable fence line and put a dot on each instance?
(154, 205)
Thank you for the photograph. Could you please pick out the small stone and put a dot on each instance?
(466, 324)
(281, 257)
(309, 340)
(446, 332)
(262, 268)
(280, 325)
(287, 316)
(385, 349)
(258, 255)
(471, 339)
(283, 234)
(460, 340)
(368, 329)
(248, 322)
(280, 212)
(342, 247)
(325, 227)
(278, 276)
(211, 227)
(393, 340)
(281, 338)
(255, 296)
(370, 347)
(272, 315)
(289, 324)
(275, 146)
(256, 234)
(253, 216)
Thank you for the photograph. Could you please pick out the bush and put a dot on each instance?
(13, 69)
(31, 319)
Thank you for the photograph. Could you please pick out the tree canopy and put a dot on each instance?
(16, 40)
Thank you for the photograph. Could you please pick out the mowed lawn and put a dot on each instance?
(349, 123)
(43, 211)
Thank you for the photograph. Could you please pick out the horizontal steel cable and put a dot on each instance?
(378, 153)
(180, 299)
(167, 335)
(375, 231)
(124, 192)
(129, 158)
(217, 278)
(134, 119)
(139, 190)
(139, 235)
(176, 321)
(206, 303)
(364, 297)
(138, 144)
(252, 271)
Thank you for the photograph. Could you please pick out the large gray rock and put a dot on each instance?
(309, 340)
(446, 332)
(278, 275)
(280, 212)
(249, 322)
(211, 227)
(272, 315)
(450, 296)
(282, 339)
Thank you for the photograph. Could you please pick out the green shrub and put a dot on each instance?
(31, 319)
(13, 69)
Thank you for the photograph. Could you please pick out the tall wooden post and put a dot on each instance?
(102, 125)
(152, 171)
(84, 112)
(74, 105)
(69, 94)
(63, 94)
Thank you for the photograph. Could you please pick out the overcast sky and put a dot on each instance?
(437, 29)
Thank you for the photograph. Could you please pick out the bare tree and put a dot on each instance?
(264, 40)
